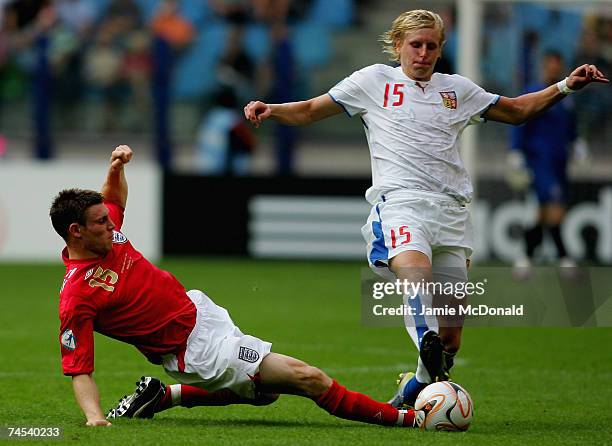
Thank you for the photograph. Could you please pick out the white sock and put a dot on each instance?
(427, 321)
(422, 375)
(175, 394)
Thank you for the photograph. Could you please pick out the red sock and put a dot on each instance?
(356, 406)
(190, 396)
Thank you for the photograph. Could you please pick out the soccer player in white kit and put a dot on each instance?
(413, 117)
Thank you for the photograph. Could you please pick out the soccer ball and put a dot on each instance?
(448, 406)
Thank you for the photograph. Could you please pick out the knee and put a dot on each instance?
(411, 265)
(312, 381)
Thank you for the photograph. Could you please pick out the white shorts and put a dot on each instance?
(218, 355)
(427, 222)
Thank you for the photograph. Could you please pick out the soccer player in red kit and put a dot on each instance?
(109, 287)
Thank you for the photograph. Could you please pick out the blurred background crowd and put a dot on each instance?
(172, 76)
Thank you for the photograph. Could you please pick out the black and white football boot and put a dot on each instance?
(140, 404)
(433, 358)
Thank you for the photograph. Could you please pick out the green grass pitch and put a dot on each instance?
(530, 386)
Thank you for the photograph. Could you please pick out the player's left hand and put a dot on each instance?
(94, 423)
(584, 75)
(516, 174)
(581, 155)
(121, 155)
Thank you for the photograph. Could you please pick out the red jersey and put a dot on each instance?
(123, 296)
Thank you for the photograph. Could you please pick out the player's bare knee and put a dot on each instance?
(311, 380)
(411, 265)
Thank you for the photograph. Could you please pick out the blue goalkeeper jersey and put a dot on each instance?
(545, 142)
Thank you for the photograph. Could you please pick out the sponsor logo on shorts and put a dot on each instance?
(68, 339)
(248, 354)
(118, 237)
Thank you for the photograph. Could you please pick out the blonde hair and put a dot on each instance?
(407, 22)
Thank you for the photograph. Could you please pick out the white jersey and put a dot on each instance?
(413, 127)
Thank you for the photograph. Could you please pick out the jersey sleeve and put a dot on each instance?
(76, 338)
(475, 99)
(116, 213)
(350, 93)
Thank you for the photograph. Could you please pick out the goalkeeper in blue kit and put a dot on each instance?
(541, 148)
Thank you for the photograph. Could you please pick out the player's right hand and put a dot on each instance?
(256, 112)
(584, 75)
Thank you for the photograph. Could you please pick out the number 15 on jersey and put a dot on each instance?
(397, 94)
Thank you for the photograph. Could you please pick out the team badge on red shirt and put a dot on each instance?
(118, 237)
(449, 99)
(68, 340)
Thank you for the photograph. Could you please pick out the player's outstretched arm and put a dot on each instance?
(115, 187)
(86, 394)
(292, 113)
(522, 108)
